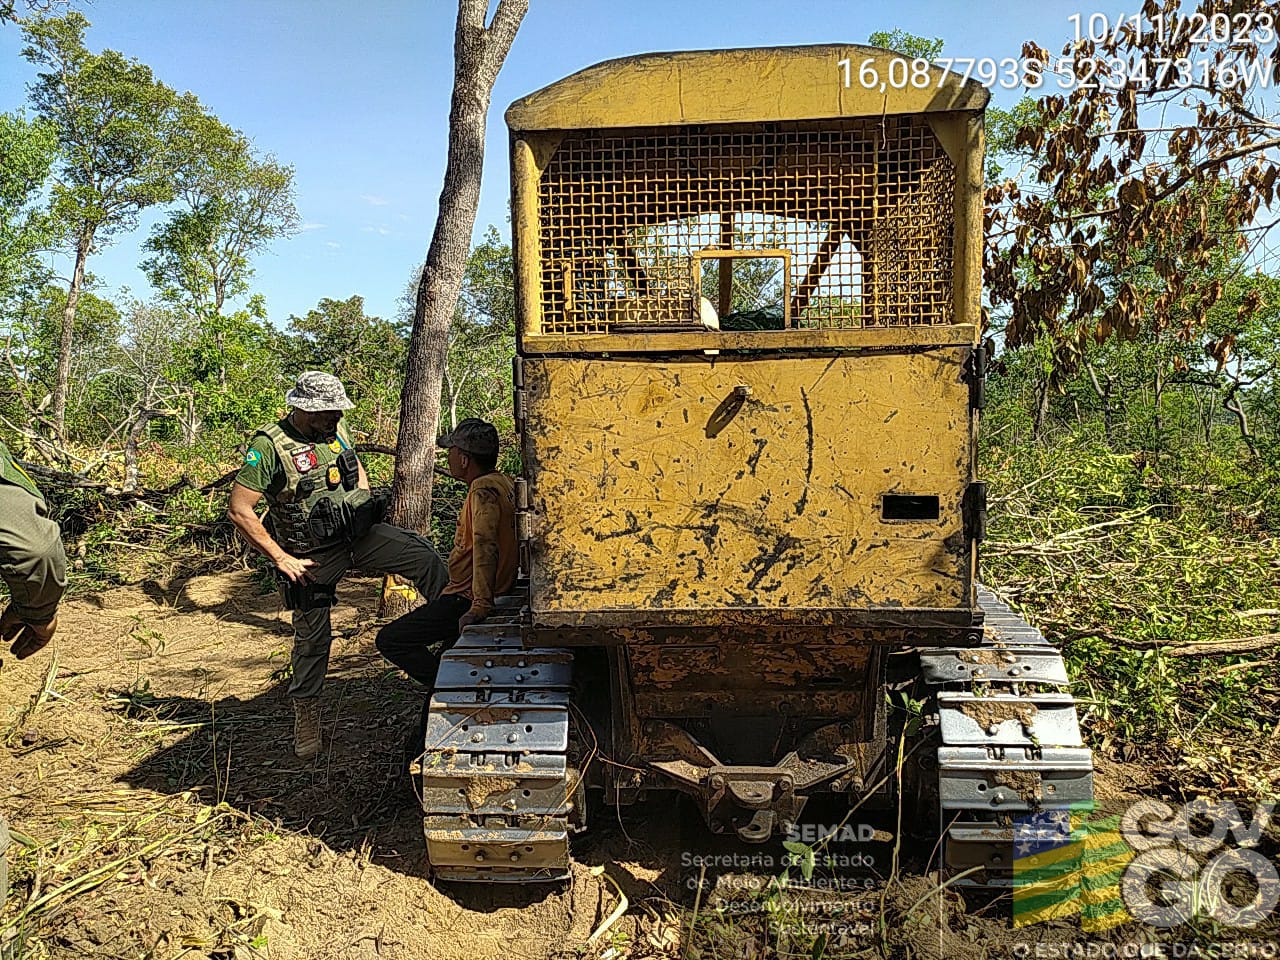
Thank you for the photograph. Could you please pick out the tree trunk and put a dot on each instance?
(1158, 425)
(131, 449)
(58, 410)
(1231, 403)
(1042, 408)
(191, 423)
(1104, 396)
(478, 56)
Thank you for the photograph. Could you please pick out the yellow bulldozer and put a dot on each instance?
(748, 382)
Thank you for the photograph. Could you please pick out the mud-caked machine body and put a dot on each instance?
(748, 381)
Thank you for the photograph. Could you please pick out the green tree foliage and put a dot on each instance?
(1141, 153)
(113, 120)
(907, 44)
(367, 353)
(36, 333)
(1136, 512)
(31, 341)
(488, 283)
(477, 374)
(1005, 158)
(232, 368)
(27, 150)
(233, 203)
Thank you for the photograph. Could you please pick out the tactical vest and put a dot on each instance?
(13, 474)
(308, 513)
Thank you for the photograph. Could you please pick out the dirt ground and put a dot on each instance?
(159, 812)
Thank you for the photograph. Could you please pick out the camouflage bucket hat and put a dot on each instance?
(471, 435)
(317, 391)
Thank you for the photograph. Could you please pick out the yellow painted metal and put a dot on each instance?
(715, 484)
(739, 86)
(525, 170)
(734, 479)
(963, 334)
(724, 300)
(968, 242)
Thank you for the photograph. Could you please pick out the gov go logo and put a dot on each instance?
(1184, 867)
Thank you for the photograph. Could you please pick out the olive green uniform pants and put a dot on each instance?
(384, 548)
(32, 561)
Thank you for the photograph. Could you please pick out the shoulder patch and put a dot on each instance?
(252, 458)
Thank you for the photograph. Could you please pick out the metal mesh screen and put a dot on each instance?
(865, 208)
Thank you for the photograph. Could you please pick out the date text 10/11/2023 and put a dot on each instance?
(1235, 63)
(1011, 73)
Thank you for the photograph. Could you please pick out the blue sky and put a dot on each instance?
(356, 97)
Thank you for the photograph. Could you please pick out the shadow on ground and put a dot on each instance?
(355, 796)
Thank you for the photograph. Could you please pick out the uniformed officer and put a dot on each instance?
(32, 561)
(323, 521)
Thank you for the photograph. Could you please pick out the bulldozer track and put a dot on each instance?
(499, 796)
(1010, 741)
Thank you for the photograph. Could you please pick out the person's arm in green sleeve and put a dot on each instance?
(33, 565)
(260, 467)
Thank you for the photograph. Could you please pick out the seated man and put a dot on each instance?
(323, 522)
(32, 561)
(483, 562)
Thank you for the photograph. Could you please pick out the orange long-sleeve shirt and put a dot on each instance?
(484, 559)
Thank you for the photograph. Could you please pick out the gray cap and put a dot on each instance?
(471, 435)
(316, 390)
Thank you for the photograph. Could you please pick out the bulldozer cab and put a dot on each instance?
(748, 297)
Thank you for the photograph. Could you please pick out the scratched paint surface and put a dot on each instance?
(718, 482)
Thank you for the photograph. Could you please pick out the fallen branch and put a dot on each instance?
(58, 476)
(1076, 632)
(1207, 648)
(1059, 541)
(1237, 667)
(1240, 645)
(100, 875)
(78, 479)
(619, 909)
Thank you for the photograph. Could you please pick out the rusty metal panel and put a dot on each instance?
(749, 673)
(730, 483)
(731, 664)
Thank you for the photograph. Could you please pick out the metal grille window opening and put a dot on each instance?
(744, 289)
(659, 227)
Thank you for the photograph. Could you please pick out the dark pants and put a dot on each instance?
(416, 641)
